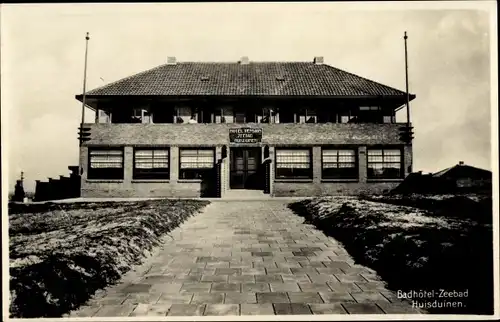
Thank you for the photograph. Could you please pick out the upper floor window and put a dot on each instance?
(339, 164)
(347, 116)
(141, 115)
(307, 115)
(224, 114)
(268, 115)
(196, 163)
(293, 164)
(105, 163)
(151, 163)
(384, 164)
(185, 114)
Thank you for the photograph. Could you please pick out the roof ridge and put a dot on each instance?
(366, 79)
(251, 62)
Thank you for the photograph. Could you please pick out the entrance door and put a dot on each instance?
(245, 168)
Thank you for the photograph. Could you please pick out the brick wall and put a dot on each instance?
(217, 134)
(176, 135)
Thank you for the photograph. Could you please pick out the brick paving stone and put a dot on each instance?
(329, 270)
(242, 279)
(294, 308)
(151, 309)
(136, 288)
(272, 297)
(228, 271)
(257, 309)
(264, 264)
(222, 309)
(197, 271)
(253, 271)
(322, 278)
(371, 286)
(329, 308)
(196, 287)
(354, 270)
(206, 298)
(186, 310)
(166, 287)
(115, 310)
(314, 287)
(241, 265)
(187, 278)
(143, 298)
(337, 297)
(337, 264)
(296, 278)
(284, 287)
(296, 259)
(278, 271)
(217, 265)
(240, 298)
(305, 297)
(225, 287)
(215, 278)
(362, 308)
(312, 264)
(175, 298)
(307, 270)
(268, 279)
(350, 278)
(288, 265)
(369, 297)
(344, 287)
(301, 253)
(255, 287)
(311, 249)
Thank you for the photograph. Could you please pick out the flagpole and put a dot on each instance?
(84, 83)
(407, 91)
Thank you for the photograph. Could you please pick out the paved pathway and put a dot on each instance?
(247, 258)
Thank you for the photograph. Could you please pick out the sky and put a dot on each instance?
(43, 45)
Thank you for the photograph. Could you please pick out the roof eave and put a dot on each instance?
(79, 97)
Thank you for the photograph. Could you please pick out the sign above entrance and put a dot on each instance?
(245, 135)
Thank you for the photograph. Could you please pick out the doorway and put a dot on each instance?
(246, 169)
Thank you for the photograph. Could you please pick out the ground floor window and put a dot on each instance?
(105, 163)
(384, 164)
(293, 164)
(339, 164)
(151, 163)
(196, 163)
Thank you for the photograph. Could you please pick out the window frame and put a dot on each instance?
(97, 174)
(383, 149)
(136, 172)
(309, 176)
(183, 172)
(354, 149)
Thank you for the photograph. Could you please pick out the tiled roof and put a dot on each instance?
(462, 170)
(253, 79)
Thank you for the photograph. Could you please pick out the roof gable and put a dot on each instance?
(252, 79)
